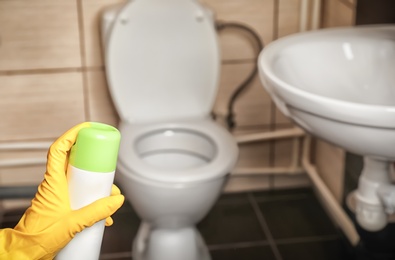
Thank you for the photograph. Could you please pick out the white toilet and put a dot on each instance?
(162, 64)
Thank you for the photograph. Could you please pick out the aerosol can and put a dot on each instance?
(90, 175)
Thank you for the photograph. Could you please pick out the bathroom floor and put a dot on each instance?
(271, 225)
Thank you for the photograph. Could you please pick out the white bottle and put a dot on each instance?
(90, 175)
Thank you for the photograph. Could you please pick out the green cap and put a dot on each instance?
(96, 148)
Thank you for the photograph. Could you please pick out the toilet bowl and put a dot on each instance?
(173, 174)
(162, 65)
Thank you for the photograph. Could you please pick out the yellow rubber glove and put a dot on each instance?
(49, 223)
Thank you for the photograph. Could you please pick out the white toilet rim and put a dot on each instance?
(220, 165)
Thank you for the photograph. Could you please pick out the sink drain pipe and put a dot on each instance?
(375, 196)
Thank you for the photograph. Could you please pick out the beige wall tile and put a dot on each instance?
(281, 119)
(39, 34)
(13, 204)
(349, 2)
(32, 175)
(253, 106)
(288, 18)
(101, 108)
(92, 10)
(284, 149)
(40, 106)
(250, 130)
(337, 13)
(20, 176)
(249, 152)
(240, 184)
(257, 14)
(291, 181)
(283, 152)
(19, 154)
(330, 165)
(255, 154)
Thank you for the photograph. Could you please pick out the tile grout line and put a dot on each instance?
(85, 90)
(49, 70)
(264, 227)
(237, 61)
(276, 18)
(116, 255)
(285, 197)
(285, 241)
(272, 143)
(237, 245)
(347, 3)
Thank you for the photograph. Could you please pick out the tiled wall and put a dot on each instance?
(52, 77)
(338, 13)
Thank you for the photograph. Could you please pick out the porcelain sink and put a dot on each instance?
(339, 85)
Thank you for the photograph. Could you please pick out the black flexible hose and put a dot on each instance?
(223, 25)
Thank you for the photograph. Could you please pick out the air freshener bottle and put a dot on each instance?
(90, 175)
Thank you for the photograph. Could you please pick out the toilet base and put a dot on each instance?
(169, 244)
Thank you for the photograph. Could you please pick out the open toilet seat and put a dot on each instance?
(213, 148)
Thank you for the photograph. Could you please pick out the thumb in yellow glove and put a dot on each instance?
(49, 223)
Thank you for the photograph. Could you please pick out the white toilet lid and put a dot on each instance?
(220, 165)
(162, 60)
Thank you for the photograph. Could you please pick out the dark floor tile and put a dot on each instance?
(116, 256)
(273, 195)
(8, 224)
(290, 214)
(301, 217)
(318, 250)
(378, 245)
(119, 236)
(231, 220)
(11, 218)
(245, 253)
(15, 212)
(233, 198)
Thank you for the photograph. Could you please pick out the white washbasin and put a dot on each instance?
(339, 85)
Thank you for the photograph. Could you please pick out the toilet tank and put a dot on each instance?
(162, 59)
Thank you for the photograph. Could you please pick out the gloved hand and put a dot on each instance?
(49, 223)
